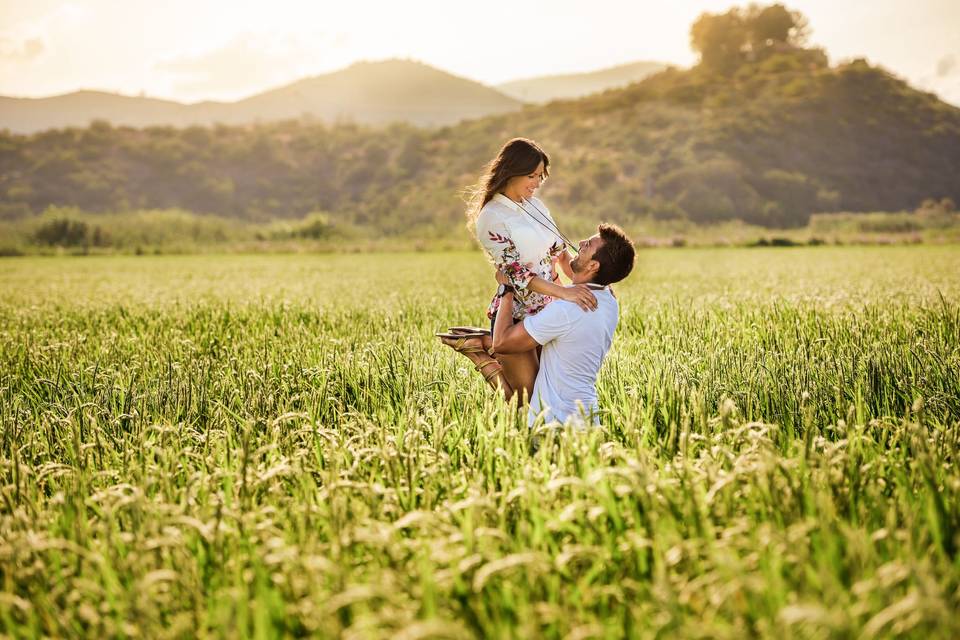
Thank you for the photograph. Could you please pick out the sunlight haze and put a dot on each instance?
(191, 51)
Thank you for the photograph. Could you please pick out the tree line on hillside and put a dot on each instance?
(762, 130)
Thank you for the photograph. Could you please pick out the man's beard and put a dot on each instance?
(575, 265)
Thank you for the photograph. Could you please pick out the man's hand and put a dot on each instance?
(502, 278)
(581, 295)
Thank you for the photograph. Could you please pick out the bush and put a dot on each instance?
(63, 232)
(774, 242)
(316, 226)
(894, 223)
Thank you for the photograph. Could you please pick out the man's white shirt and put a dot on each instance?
(574, 345)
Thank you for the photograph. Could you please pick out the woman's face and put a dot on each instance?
(524, 186)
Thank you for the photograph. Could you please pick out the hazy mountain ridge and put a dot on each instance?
(778, 140)
(366, 93)
(576, 85)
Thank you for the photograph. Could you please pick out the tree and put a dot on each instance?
(775, 25)
(725, 40)
(720, 40)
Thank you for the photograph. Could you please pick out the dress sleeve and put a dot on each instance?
(495, 238)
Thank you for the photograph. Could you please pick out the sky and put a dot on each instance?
(190, 50)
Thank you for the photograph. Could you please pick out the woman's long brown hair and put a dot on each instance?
(518, 157)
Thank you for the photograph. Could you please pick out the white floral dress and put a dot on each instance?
(520, 246)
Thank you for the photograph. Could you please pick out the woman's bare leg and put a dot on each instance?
(516, 374)
(483, 362)
(520, 371)
(517, 371)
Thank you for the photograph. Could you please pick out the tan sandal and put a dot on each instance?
(460, 346)
(462, 330)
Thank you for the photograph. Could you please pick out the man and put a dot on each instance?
(574, 341)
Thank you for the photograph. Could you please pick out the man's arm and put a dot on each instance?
(508, 337)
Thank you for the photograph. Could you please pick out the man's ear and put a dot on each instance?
(594, 267)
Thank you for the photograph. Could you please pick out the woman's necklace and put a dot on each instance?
(544, 221)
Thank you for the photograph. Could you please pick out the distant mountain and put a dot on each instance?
(378, 93)
(576, 85)
(78, 109)
(366, 93)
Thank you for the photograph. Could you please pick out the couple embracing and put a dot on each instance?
(546, 340)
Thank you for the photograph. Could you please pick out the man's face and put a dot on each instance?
(587, 249)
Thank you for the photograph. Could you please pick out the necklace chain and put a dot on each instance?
(547, 223)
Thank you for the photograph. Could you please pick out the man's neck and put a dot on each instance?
(578, 279)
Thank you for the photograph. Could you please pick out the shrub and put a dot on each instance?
(63, 232)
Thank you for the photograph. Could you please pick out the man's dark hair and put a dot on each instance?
(615, 256)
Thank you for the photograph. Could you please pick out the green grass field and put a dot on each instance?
(276, 446)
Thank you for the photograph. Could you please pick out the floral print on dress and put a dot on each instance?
(508, 260)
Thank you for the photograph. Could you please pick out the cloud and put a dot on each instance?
(27, 41)
(245, 65)
(21, 50)
(946, 65)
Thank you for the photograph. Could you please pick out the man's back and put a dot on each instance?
(574, 345)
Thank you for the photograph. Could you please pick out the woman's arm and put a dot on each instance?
(495, 239)
(564, 261)
(577, 293)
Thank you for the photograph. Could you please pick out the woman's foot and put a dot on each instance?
(465, 343)
(469, 330)
(487, 339)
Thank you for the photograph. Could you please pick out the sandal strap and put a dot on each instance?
(484, 365)
(471, 350)
(491, 374)
(487, 377)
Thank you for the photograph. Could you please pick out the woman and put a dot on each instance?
(522, 240)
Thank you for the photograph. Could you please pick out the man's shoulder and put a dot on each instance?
(605, 299)
(607, 311)
(556, 310)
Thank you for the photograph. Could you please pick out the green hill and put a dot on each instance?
(771, 143)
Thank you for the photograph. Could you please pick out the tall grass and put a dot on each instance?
(275, 446)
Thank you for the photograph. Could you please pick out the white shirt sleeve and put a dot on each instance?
(551, 323)
(494, 235)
